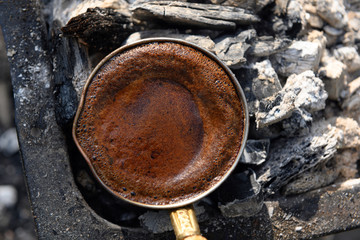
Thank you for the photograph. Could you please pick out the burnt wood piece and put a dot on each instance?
(267, 45)
(194, 14)
(289, 157)
(101, 28)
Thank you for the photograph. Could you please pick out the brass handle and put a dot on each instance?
(185, 224)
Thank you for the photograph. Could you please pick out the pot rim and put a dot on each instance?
(207, 53)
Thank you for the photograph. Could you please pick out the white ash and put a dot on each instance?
(299, 57)
(348, 130)
(333, 74)
(333, 12)
(349, 56)
(318, 37)
(300, 91)
(231, 49)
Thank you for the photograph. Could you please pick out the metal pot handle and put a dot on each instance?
(185, 224)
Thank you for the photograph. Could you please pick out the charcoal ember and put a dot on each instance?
(314, 178)
(240, 195)
(258, 81)
(231, 49)
(202, 41)
(300, 56)
(333, 75)
(267, 82)
(255, 152)
(300, 91)
(298, 124)
(193, 14)
(289, 18)
(349, 56)
(333, 12)
(290, 157)
(71, 68)
(103, 29)
(267, 45)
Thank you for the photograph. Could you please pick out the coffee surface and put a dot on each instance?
(160, 123)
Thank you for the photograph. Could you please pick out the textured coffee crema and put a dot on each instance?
(160, 123)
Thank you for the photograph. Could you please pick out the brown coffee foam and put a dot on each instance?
(161, 123)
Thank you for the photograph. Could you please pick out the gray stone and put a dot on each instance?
(300, 91)
(193, 14)
(333, 12)
(202, 41)
(290, 157)
(300, 56)
(255, 152)
(231, 49)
